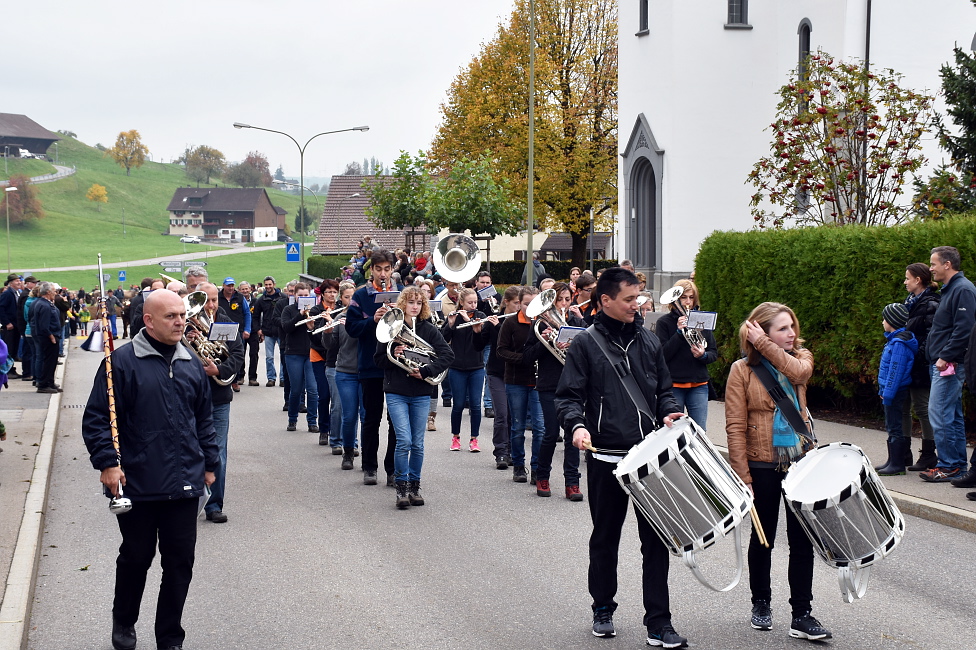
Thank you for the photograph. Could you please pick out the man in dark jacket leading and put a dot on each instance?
(168, 453)
(594, 405)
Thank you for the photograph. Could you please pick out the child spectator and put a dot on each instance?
(894, 379)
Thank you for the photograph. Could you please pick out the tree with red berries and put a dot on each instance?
(845, 142)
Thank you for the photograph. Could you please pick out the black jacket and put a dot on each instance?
(591, 394)
(495, 365)
(920, 318)
(684, 367)
(273, 323)
(294, 339)
(165, 422)
(261, 316)
(468, 347)
(511, 343)
(549, 368)
(397, 381)
(949, 335)
(45, 319)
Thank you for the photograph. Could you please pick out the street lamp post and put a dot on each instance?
(301, 161)
(7, 202)
(339, 218)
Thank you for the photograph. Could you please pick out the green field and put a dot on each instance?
(26, 166)
(74, 229)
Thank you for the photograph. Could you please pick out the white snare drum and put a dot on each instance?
(686, 490)
(846, 512)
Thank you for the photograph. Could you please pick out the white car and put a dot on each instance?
(190, 239)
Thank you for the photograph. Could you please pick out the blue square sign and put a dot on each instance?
(121, 276)
(291, 252)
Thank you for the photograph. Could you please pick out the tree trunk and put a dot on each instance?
(580, 248)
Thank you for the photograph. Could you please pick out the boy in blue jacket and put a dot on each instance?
(894, 378)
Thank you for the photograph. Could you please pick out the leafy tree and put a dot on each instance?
(303, 219)
(314, 187)
(204, 162)
(844, 143)
(259, 162)
(575, 113)
(945, 193)
(23, 204)
(352, 169)
(400, 201)
(469, 198)
(279, 174)
(243, 175)
(129, 151)
(97, 195)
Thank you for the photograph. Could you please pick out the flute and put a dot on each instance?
(479, 321)
(319, 315)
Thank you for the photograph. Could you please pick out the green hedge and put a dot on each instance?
(326, 266)
(837, 280)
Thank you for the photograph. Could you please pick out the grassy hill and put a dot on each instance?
(74, 229)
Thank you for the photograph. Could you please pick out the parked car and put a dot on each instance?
(190, 239)
(285, 238)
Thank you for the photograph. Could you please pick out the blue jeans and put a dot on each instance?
(221, 420)
(269, 357)
(409, 416)
(571, 455)
(467, 386)
(65, 333)
(335, 409)
(302, 381)
(487, 391)
(350, 395)
(523, 402)
(37, 358)
(695, 400)
(111, 318)
(893, 416)
(945, 414)
(322, 385)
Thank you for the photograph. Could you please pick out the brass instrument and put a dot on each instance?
(693, 336)
(392, 331)
(204, 349)
(457, 258)
(543, 310)
(479, 321)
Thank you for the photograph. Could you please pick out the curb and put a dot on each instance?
(19, 593)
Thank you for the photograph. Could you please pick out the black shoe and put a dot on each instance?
(271, 382)
(369, 477)
(518, 474)
(508, 459)
(123, 636)
(967, 480)
(53, 391)
(603, 623)
(13, 374)
(807, 627)
(762, 615)
(347, 461)
(355, 452)
(292, 426)
(927, 459)
(532, 477)
(500, 462)
(285, 407)
(303, 409)
(666, 637)
(447, 401)
(971, 496)
(314, 428)
(171, 647)
(413, 493)
(402, 500)
(216, 516)
(26, 377)
(337, 451)
(390, 480)
(253, 382)
(324, 439)
(489, 412)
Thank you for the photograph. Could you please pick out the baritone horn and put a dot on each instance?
(693, 336)
(204, 349)
(457, 258)
(543, 310)
(393, 331)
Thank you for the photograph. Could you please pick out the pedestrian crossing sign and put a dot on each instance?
(291, 253)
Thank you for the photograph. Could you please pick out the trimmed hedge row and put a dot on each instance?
(326, 266)
(837, 280)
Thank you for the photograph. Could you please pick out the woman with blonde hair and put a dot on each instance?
(762, 445)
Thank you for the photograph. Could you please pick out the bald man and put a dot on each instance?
(168, 453)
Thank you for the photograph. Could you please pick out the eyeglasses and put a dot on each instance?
(587, 289)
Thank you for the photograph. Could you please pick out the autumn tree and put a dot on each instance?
(204, 162)
(97, 195)
(469, 198)
(23, 204)
(259, 162)
(243, 175)
(128, 151)
(575, 113)
(845, 142)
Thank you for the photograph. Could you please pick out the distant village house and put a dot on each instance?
(225, 213)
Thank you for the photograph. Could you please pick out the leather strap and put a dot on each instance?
(622, 368)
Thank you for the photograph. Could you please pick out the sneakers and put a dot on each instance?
(402, 500)
(455, 443)
(413, 493)
(666, 637)
(369, 477)
(473, 446)
(292, 426)
(967, 480)
(573, 493)
(940, 475)
(807, 627)
(431, 424)
(519, 475)
(603, 623)
(253, 382)
(501, 462)
(542, 488)
(762, 615)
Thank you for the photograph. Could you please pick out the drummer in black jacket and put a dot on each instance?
(593, 404)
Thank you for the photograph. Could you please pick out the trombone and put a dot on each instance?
(692, 335)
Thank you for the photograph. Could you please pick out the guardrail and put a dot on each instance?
(63, 172)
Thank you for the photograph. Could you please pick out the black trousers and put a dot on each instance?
(49, 362)
(767, 487)
(174, 525)
(373, 401)
(12, 338)
(608, 509)
(252, 345)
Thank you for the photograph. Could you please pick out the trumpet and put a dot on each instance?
(543, 310)
(204, 349)
(692, 335)
(392, 331)
(320, 315)
(479, 321)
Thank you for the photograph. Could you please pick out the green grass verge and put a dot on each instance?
(26, 166)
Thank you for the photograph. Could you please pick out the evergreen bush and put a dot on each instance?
(326, 266)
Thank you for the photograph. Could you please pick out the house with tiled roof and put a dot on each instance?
(225, 213)
(21, 132)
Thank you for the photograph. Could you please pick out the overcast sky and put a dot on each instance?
(182, 72)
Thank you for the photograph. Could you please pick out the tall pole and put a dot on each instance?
(863, 171)
(591, 239)
(7, 202)
(123, 223)
(530, 267)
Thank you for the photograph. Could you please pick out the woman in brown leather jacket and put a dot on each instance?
(761, 447)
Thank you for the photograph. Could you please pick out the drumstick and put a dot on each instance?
(760, 533)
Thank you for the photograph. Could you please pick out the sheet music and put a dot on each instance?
(385, 297)
(223, 332)
(306, 302)
(568, 333)
(704, 320)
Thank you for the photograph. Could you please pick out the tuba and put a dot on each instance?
(457, 258)
(204, 349)
(543, 310)
(392, 330)
(692, 335)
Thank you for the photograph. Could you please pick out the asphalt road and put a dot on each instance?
(311, 558)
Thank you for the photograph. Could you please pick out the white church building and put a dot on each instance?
(697, 83)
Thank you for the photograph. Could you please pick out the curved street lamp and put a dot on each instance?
(301, 159)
